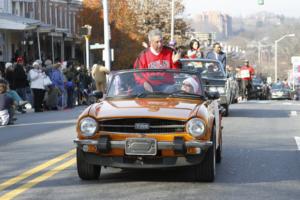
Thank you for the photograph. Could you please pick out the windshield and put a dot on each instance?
(277, 86)
(161, 84)
(208, 69)
(257, 81)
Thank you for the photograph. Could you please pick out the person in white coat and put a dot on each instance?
(36, 77)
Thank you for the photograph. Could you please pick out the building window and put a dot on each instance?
(58, 16)
(74, 24)
(61, 17)
(46, 11)
(55, 16)
(50, 14)
(66, 18)
(71, 21)
(14, 8)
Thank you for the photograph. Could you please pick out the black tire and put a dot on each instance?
(206, 170)
(235, 100)
(219, 150)
(85, 170)
(226, 113)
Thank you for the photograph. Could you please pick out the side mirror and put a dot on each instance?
(97, 94)
(213, 95)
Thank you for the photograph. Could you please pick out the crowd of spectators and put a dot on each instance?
(42, 85)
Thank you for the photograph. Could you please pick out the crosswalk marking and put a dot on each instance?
(298, 142)
(293, 113)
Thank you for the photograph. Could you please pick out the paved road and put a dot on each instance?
(261, 160)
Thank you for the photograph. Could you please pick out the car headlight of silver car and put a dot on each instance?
(212, 89)
(88, 126)
(195, 127)
(221, 90)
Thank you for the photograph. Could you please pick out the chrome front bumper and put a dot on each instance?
(145, 162)
(160, 145)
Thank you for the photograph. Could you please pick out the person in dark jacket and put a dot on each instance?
(9, 74)
(217, 54)
(20, 79)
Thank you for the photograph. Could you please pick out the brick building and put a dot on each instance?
(39, 29)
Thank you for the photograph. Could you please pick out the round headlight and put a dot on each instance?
(88, 126)
(195, 127)
(221, 90)
(212, 89)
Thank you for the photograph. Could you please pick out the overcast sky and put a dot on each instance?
(290, 8)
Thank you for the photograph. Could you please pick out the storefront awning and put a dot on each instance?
(13, 22)
(46, 28)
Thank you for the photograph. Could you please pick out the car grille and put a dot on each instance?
(129, 125)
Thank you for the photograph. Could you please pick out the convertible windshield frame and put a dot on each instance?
(156, 94)
(220, 74)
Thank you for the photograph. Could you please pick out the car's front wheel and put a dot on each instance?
(85, 170)
(206, 170)
(219, 150)
(226, 107)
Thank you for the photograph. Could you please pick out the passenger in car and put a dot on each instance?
(195, 51)
(156, 56)
(217, 54)
(190, 85)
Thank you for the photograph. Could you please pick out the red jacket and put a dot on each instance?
(147, 60)
(247, 72)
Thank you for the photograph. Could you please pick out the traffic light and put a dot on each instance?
(85, 30)
(260, 2)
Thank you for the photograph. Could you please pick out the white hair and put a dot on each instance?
(8, 64)
(35, 64)
(193, 83)
(154, 33)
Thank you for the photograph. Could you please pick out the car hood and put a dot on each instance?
(277, 90)
(214, 81)
(160, 108)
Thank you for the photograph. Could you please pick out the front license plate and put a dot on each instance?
(140, 146)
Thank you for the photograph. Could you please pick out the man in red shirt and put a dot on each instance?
(156, 56)
(247, 73)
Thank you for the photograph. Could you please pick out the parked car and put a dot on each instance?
(176, 125)
(281, 91)
(259, 89)
(214, 79)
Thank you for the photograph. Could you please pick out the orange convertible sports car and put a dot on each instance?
(151, 119)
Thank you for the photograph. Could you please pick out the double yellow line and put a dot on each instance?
(41, 178)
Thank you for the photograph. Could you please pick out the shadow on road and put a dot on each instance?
(258, 113)
(33, 124)
(259, 166)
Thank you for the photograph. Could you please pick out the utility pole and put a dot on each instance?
(172, 20)
(106, 35)
(86, 31)
(276, 44)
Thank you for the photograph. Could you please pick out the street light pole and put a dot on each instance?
(87, 34)
(106, 35)
(276, 44)
(172, 20)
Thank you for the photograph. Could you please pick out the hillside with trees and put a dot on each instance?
(130, 21)
(266, 28)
